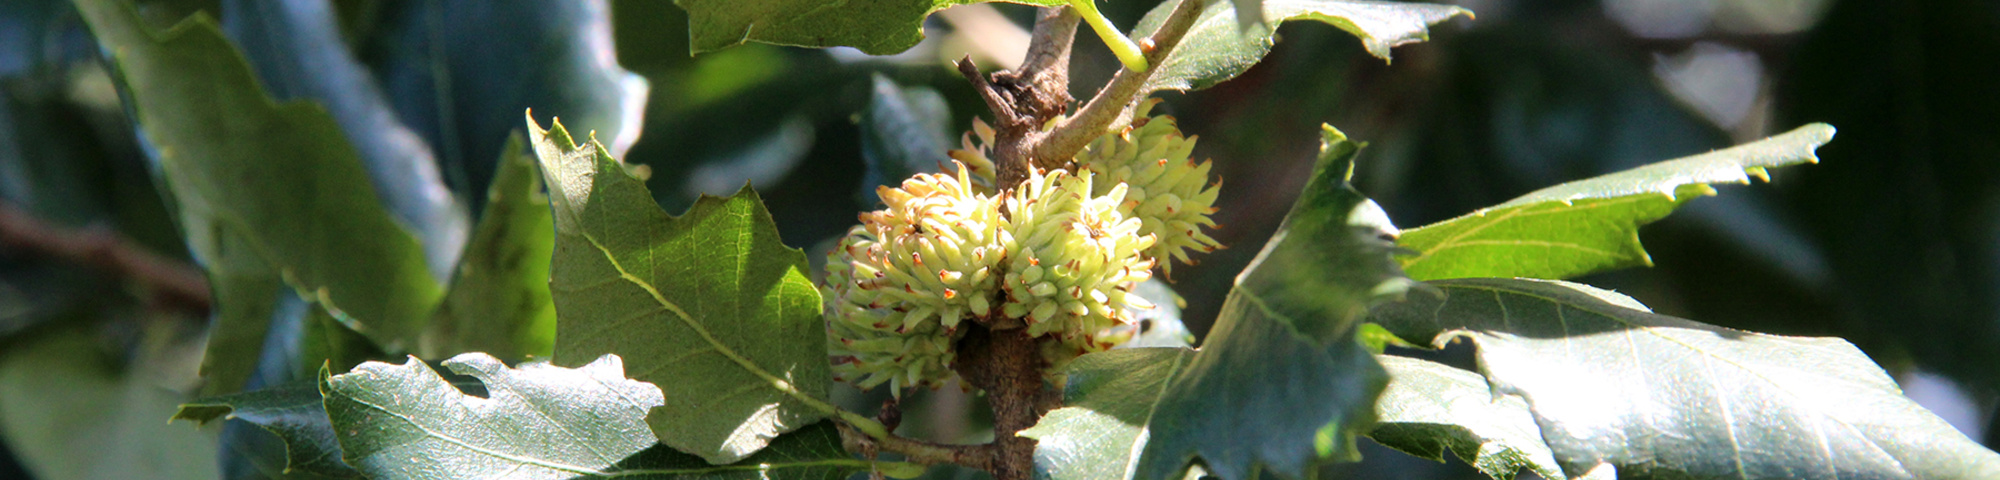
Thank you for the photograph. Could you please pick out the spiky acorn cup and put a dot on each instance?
(1170, 195)
(1073, 261)
(903, 281)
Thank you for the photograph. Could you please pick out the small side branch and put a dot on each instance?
(918, 451)
(1115, 100)
(170, 284)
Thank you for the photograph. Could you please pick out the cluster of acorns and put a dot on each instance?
(1061, 252)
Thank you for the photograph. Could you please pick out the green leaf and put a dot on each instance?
(70, 409)
(293, 412)
(1281, 382)
(1614, 386)
(499, 302)
(258, 182)
(1218, 47)
(878, 27)
(1109, 398)
(710, 304)
(902, 134)
(1591, 225)
(811, 453)
(537, 420)
(1430, 408)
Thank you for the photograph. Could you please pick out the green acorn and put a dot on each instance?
(1170, 195)
(901, 283)
(1073, 261)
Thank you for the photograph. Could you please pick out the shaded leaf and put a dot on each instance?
(709, 303)
(459, 72)
(1218, 47)
(1281, 382)
(902, 134)
(70, 410)
(1430, 408)
(262, 182)
(878, 27)
(295, 47)
(293, 412)
(1591, 225)
(537, 420)
(813, 452)
(1614, 386)
(498, 301)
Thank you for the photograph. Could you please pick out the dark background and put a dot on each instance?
(1892, 242)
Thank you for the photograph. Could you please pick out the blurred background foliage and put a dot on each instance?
(1893, 242)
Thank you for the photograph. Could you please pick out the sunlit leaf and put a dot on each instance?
(536, 421)
(1614, 386)
(1218, 47)
(710, 304)
(878, 27)
(1591, 225)
(1430, 408)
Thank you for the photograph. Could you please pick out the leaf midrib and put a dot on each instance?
(779, 384)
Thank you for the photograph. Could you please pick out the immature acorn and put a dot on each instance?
(1171, 195)
(901, 283)
(1073, 263)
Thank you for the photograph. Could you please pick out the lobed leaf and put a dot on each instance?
(263, 190)
(293, 412)
(1218, 47)
(878, 27)
(1591, 225)
(537, 420)
(1280, 384)
(297, 52)
(499, 302)
(1430, 408)
(1618, 388)
(710, 304)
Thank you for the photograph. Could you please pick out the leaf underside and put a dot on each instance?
(709, 305)
(1651, 396)
(1218, 47)
(878, 27)
(537, 421)
(1429, 408)
(1591, 225)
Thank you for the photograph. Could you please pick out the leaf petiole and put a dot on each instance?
(1127, 52)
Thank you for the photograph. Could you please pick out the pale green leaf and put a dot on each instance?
(499, 302)
(878, 27)
(1281, 382)
(1218, 47)
(1652, 396)
(1591, 225)
(709, 304)
(1430, 408)
(536, 421)
(264, 190)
